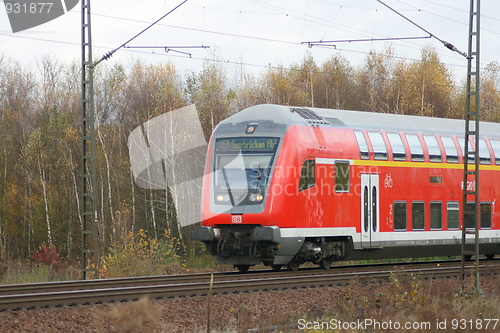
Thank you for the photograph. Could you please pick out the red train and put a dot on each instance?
(287, 185)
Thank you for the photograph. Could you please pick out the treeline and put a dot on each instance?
(40, 110)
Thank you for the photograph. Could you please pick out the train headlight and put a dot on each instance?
(222, 197)
(251, 128)
(256, 197)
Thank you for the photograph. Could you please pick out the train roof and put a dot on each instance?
(288, 115)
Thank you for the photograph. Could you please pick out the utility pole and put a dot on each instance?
(90, 236)
(471, 203)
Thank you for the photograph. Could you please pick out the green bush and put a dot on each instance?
(139, 255)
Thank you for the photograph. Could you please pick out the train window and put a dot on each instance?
(416, 150)
(461, 143)
(307, 175)
(436, 216)
(484, 153)
(485, 215)
(342, 176)
(433, 148)
(363, 146)
(397, 147)
(417, 216)
(469, 215)
(400, 215)
(495, 144)
(436, 179)
(378, 144)
(366, 213)
(374, 209)
(453, 214)
(450, 149)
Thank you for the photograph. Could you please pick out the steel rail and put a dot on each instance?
(184, 278)
(233, 283)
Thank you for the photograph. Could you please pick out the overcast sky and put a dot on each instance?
(253, 34)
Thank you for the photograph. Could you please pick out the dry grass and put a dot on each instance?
(401, 299)
(130, 317)
(24, 271)
(407, 299)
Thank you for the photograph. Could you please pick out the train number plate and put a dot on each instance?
(237, 219)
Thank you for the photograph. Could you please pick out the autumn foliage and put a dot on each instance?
(139, 255)
(40, 117)
(46, 254)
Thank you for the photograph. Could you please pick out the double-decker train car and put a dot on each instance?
(286, 185)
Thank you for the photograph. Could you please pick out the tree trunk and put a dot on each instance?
(45, 199)
(108, 175)
(77, 196)
(133, 200)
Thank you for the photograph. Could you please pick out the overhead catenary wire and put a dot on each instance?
(231, 35)
(327, 42)
(206, 31)
(171, 48)
(130, 49)
(461, 10)
(269, 66)
(211, 32)
(445, 43)
(278, 9)
(224, 33)
(110, 53)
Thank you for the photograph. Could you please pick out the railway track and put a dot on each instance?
(13, 297)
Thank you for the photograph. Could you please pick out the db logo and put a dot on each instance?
(237, 219)
(388, 182)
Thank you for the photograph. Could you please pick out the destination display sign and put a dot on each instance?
(265, 145)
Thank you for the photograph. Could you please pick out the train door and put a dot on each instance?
(370, 221)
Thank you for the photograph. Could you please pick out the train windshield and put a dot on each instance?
(242, 169)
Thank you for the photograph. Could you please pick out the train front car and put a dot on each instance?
(243, 202)
(286, 185)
